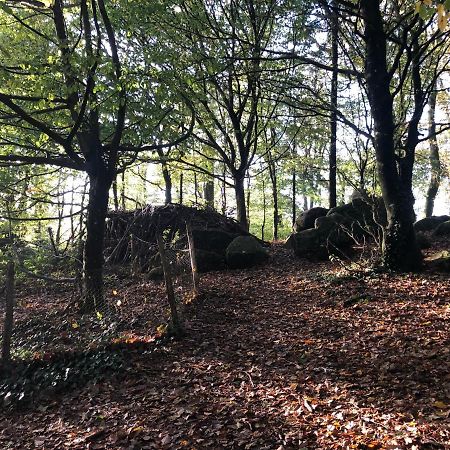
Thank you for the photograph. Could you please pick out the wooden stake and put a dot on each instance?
(193, 258)
(177, 328)
(9, 314)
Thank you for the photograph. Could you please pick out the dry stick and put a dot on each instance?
(177, 328)
(9, 317)
(194, 268)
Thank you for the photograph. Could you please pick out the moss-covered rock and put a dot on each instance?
(430, 223)
(245, 251)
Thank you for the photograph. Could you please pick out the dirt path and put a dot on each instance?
(291, 355)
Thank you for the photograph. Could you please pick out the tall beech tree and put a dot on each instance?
(402, 59)
(218, 54)
(66, 105)
(435, 161)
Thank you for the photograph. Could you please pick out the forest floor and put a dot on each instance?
(289, 355)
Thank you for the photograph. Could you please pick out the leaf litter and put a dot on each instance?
(290, 355)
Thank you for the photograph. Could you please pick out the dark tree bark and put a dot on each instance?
(180, 193)
(208, 192)
(400, 249)
(167, 184)
(435, 162)
(115, 195)
(240, 202)
(333, 100)
(263, 225)
(224, 191)
(274, 182)
(294, 196)
(93, 298)
(9, 314)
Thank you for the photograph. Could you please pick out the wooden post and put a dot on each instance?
(9, 314)
(177, 328)
(193, 258)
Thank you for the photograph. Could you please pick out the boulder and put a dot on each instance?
(367, 214)
(212, 240)
(307, 218)
(310, 244)
(422, 240)
(430, 223)
(318, 243)
(329, 222)
(207, 261)
(245, 251)
(443, 229)
(290, 242)
(440, 261)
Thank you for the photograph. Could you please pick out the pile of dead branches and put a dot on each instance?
(131, 235)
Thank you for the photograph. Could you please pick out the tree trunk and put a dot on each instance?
(294, 197)
(435, 162)
(208, 191)
(93, 250)
(122, 192)
(240, 202)
(9, 314)
(273, 179)
(400, 250)
(167, 184)
(263, 225)
(224, 192)
(333, 100)
(181, 189)
(115, 195)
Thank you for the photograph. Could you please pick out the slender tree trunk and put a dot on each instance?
(122, 192)
(263, 225)
(181, 189)
(93, 250)
(208, 191)
(115, 195)
(334, 101)
(224, 192)
(400, 250)
(9, 314)
(273, 179)
(195, 188)
(249, 191)
(435, 162)
(167, 184)
(240, 202)
(294, 196)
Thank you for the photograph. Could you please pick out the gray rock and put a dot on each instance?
(329, 222)
(443, 229)
(310, 244)
(423, 241)
(290, 242)
(207, 261)
(245, 251)
(211, 240)
(307, 218)
(430, 223)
